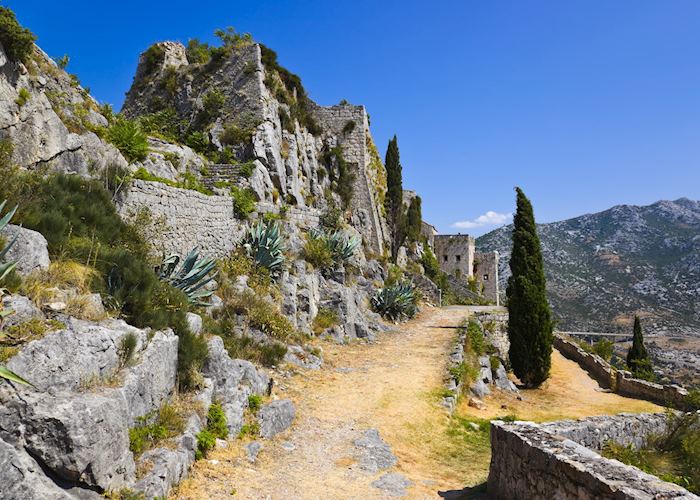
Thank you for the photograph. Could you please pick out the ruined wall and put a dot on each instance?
(668, 395)
(620, 381)
(366, 212)
(486, 273)
(596, 366)
(428, 231)
(541, 462)
(191, 218)
(455, 253)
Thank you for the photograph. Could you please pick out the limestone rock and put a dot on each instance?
(23, 479)
(374, 454)
(480, 389)
(393, 484)
(275, 417)
(252, 450)
(233, 381)
(24, 310)
(63, 359)
(299, 357)
(194, 322)
(502, 381)
(30, 250)
(477, 403)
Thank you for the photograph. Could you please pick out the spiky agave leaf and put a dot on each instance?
(263, 243)
(190, 277)
(395, 302)
(6, 267)
(12, 376)
(342, 246)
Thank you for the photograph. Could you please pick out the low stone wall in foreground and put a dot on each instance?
(549, 461)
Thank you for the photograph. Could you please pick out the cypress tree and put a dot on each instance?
(530, 320)
(637, 357)
(396, 216)
(414, 219)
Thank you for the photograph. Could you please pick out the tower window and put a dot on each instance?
(458, 257)
(486, 277)
(444, 257)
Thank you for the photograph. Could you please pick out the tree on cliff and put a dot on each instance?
(638, 360)
(530, 319)
(395, 211)
(414, 219)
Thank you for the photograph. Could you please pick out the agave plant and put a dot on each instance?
(395, 302)
(263, 243)
(341, 245)
(190, 277)
(5, 269)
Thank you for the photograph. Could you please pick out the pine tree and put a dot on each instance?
(530, 320)
(395, 211)
(638, 360)
(414, 219)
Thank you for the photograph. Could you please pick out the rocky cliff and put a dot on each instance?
(225, 127)
(605, 267)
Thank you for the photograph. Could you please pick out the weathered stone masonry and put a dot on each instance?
(560, 460)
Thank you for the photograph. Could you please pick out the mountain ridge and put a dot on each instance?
(604, 267)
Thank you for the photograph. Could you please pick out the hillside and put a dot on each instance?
(605, 267)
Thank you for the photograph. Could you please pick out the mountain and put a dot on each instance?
(603, 268)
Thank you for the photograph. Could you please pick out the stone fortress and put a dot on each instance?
(457, 256)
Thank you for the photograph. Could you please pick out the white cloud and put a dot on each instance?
(490, 218)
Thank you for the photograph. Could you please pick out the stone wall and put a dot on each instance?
(596, 366)
(367, 215)
(621, 381)
(668, 395)
(541, 462)
(191, 218)
(455, 254)
(428, 231)
(303, 217)
(495, 324)
(486, 272)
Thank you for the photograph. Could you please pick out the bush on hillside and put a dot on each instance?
(15, 39)
(129, 138)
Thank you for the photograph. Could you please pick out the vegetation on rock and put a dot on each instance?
(129, 138)
(396, 302)
(191, 276)
(16, 40)
(263, 243)
(530, 320)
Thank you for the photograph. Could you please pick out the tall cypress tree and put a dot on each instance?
(394, 197)
(638, 360)
(414, 219)
(530, 320)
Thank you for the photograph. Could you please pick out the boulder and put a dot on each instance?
(194, 322)
(299, 357)
(480, 389)
(477, 403)
(502, 381)
(252, 450)
(24, 310)
(276, 417)
(348, 303)
(30, 250)
(23, 479)
(233, 381)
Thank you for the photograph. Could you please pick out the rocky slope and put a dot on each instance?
(605, 267)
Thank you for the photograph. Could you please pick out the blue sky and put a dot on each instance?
(583, 103)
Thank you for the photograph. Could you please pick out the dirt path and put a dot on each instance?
(392, 385)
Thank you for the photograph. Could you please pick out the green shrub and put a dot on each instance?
(17, 40)
(127, 347)
(23, 97)
(254, 402)
(199, 141)
(325, 319)
(198, 52)
(244, 202)
(475, 338)
(264, 353)
(164, 124)
(155, 427)
(206, 442)
(341, 174)
(317, 253)
(216, 421)
(62, 62)
(251, 429)
(129, 138)
(152, 58)
(332, 218)
(233, 135)
(349, 126)
(247, 169)
(192, 351)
